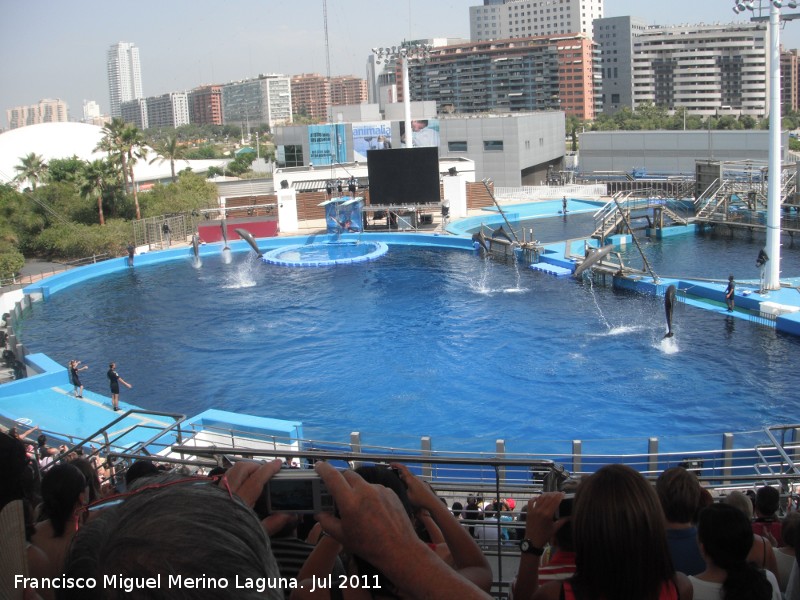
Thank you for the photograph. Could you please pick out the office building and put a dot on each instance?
(266, 99)
(124, 75)
(45, 111)
(205, 105)
(523, 75)
(504, 19)
(706, 69)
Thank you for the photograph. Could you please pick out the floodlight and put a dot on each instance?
(777, 3)
(740, 7)
(736, 10)
(792, 4)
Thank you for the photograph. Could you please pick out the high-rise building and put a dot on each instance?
(168, 110)
(266, 99)
(706, 69)
(124, 75)
(503, 19)
(46, 111)
(311, 96)
(535, 73)
(205, 105)
(790, 78)
(135, 113)
(347, 89)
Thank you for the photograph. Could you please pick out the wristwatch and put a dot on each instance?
(527, 547)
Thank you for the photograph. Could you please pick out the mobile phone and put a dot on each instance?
(299, 491)
(565, 506)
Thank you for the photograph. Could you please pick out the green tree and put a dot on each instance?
(169, 150)
(67, 170)
(97, 177)
(31, 168)
(133, 143)
(113, 143)
(190, 192)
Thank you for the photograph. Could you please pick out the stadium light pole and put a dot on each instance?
(772, 274)
(404, 53)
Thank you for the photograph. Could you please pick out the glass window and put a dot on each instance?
(493, 145)
(457, 146)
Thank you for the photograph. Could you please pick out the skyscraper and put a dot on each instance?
(124, 75)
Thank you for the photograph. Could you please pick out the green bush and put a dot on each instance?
(74, 240)
(11, 262)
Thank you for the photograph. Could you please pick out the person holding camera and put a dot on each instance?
(620, 542)
(373, 523)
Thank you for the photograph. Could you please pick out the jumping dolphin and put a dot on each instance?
(195, 245)
(501, 233)
(248, 237)
(224, 227)
(594, 255)
(481, 239)
(669, 307)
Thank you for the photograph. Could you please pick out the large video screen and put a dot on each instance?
(403, 176)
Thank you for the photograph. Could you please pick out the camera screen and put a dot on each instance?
(291, 494)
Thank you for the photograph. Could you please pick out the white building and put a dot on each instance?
(124, 75)
(266, 99)
(91, 110)
(706, 69)
(503, 19)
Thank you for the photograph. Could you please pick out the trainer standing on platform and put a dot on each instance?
(115, 380)
(729, 293)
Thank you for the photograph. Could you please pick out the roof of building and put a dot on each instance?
(64, 140)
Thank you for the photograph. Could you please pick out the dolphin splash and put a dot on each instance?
(248, 237)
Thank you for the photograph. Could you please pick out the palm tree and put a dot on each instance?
(170, 150)
(95, 178)
(113, 143)
(31, 168)
(134, 144)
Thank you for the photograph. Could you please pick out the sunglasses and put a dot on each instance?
(86, 513)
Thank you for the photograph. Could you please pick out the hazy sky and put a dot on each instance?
(57, 49)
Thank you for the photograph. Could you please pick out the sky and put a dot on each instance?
(58, 49)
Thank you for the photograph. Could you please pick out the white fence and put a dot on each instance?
(537, 193)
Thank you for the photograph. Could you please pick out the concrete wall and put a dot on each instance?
(529, 143)
(670, 151)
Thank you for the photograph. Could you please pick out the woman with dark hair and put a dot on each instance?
(725, 538)
(619, 538)
(64, 492)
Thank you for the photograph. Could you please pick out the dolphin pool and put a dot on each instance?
(426, 342)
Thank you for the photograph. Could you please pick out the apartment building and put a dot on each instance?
(265, 99)
(790, 79)
(503, 19)
(348, 90)
(168, 110)
(311, 96)
(124, 75)
(205, 105)
(48, 110)
(703, 68)
(520, 75)
(135, 113)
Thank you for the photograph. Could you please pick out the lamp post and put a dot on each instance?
(773, 245)
(404, 53)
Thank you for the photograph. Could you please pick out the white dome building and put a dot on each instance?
(64, 140)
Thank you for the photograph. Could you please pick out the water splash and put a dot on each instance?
(668, 345)
(227, 256)
(597, 304)
(196, 262)
(244, 276)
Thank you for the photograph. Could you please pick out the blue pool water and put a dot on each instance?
(426, 342)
